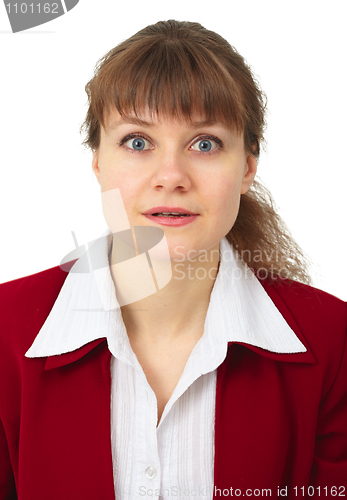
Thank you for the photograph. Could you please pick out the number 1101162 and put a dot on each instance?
(33, 8)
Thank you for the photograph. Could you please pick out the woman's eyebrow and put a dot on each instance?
(130, 120)
(133, 120)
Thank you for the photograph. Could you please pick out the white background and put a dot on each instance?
(47, 189)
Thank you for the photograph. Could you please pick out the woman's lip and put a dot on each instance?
(172, 221)
(160, 209)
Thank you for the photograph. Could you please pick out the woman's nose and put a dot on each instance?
(171, 171)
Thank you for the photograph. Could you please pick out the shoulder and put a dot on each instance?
(31, 292)
(24, 306)
(321, 318)
(307, 303)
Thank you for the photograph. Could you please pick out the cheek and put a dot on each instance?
(119, 198)
(112, 175)
(130, 189)
(225, 205)
(225, 193)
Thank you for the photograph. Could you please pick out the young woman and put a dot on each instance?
(229, 378)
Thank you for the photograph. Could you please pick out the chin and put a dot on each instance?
(187, 249)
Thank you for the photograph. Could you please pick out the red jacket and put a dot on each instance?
(281, 419)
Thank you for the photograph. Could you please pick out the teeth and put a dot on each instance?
(171, 214)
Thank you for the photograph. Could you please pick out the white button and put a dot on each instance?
(150, 472)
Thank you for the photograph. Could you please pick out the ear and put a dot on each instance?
(95, 165)
(250, 171)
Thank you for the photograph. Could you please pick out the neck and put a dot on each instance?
(177, 308)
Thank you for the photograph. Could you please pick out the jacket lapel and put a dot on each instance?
(259, 405)
(70, 357)
(70, 414)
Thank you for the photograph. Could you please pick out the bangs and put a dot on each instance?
(167, 78)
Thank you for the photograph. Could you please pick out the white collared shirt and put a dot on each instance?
(174, 459)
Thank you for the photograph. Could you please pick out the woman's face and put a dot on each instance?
(193, 166)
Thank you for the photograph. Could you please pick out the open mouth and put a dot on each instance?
(171, 218)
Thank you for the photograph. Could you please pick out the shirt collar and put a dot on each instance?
(87, 309)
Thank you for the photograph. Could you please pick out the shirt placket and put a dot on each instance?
(148, 469)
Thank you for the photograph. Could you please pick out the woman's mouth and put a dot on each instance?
(171, 218)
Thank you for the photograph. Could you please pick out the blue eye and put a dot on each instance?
(204, 145)
(136, 143)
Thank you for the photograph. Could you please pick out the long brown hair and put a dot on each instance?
(175, 68)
